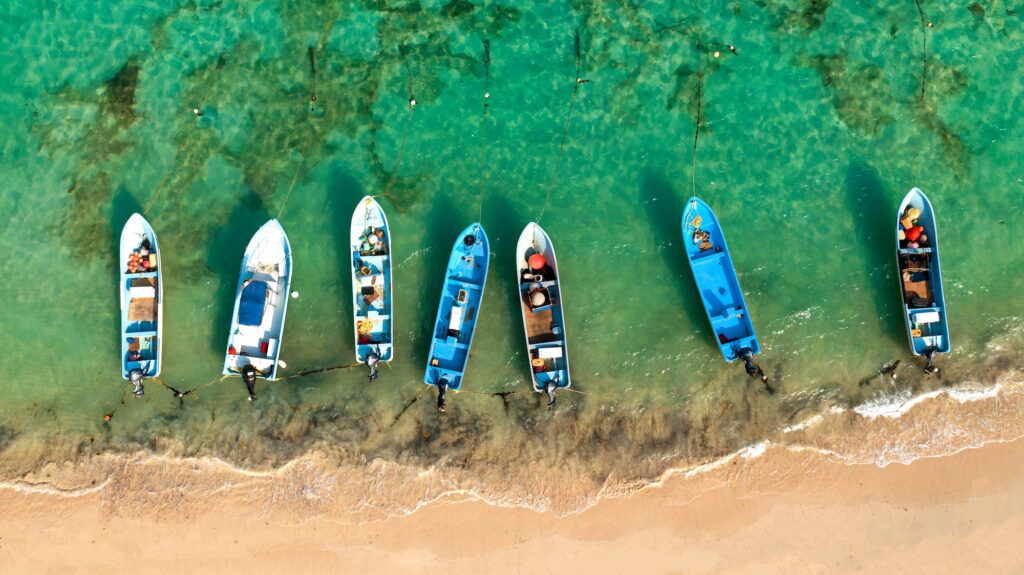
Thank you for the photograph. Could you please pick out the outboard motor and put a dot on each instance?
(551, 388)
(137, 376)
(929, 368)
(442, 389)
(753, 370)
(249, 377)
(371, 361)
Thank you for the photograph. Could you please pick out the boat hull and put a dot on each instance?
(372, 310)
(720, 292)
(920, 278)
(142, 298)
(459, 309)
(541, 301)
(261, 304)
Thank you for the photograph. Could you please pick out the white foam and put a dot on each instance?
(896, 405)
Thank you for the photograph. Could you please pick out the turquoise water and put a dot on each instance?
(810, 136)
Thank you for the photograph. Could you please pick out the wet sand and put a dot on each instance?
(786, 512)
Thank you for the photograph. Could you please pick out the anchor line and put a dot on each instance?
(696, 135)
(568, 121)
(401, 148)
(924, 48)
(174, 161)
(483, 128)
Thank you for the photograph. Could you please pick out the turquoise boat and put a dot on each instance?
(541, 300)
(920, 276)
(458, 312)
(372, 311)
(142, 298)
(261, 304)
(719, 288)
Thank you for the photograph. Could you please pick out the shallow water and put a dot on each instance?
(810, 136)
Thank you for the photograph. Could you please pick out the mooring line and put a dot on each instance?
(401, 148)
(696, 134)
(483, 129)
(924, 47)
(568, 120)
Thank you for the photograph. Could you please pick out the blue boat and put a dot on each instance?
(541, 300)
(458, 312)
(142, 298)
(917, 255)
(719, 289)
(261, 303)
(372, 311)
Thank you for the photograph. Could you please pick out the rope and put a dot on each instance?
(568, 121)
(696, 135)
(483, 130)
(401, 148)
(167, 172)
(304, 373)
(924, 47)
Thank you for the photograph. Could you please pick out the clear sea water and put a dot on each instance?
(811, 134)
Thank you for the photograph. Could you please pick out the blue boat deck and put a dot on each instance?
(716, 280)
(458, 309)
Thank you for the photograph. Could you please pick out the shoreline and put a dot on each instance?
(328, 481)
(782, 510)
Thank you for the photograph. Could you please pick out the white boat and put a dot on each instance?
(261, 302)
(142, 297)
(540, 298)
(372, 311)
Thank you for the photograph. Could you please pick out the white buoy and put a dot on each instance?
(295, 295)
(281, 363)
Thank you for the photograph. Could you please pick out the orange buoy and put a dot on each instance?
(537, 262)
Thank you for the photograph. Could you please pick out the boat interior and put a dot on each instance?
(925, 315)
(373, 314)
(260, 315)
(719, 288)
(458, 311)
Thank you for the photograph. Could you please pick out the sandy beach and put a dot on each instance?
(783, 512)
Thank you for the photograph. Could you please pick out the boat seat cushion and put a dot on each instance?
(252, 304)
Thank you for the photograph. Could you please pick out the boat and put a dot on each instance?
(540, 298)
(458, 312)
(920, 276)
(720, 292)
(261, 302)
(372, 311)
(142, 298)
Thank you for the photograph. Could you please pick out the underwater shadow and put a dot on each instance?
(504, 223)
(665, 216)
(123, 206)
(344, 193)
(873, 225)
(224, 258)
(445, 222)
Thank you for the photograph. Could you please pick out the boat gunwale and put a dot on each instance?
(935, 269)
(694, 203)
(390, 278)
(281, 236)
(147, 230)
(522, 264)
(440, 316)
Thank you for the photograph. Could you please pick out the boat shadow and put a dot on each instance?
(344, 194)
(665, 211)
(224, 258)
(873, 225)
(124, 205)
(443, 224)
(505, 223)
